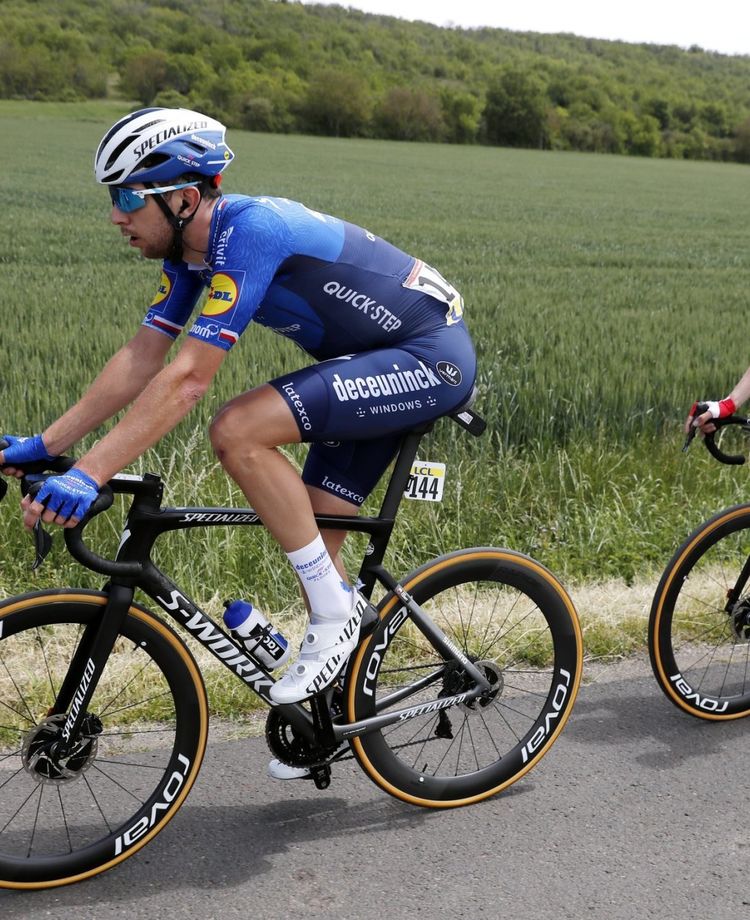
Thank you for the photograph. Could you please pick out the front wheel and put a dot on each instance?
(141, 744)
(512, 618)
(699, 628)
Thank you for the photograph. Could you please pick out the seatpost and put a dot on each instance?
(400, 476)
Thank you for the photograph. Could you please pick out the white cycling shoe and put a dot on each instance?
(277, 769)
(324, 652)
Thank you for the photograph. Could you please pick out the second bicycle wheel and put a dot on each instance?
(510, 616)
(142, 741)
(699, 628)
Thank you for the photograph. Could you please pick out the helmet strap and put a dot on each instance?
(177, 224)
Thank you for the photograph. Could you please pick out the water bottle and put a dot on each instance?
(266, 644)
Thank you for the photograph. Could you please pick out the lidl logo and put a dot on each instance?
(222, 296)
(165, 286)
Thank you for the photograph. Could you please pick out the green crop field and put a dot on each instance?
(604, 294)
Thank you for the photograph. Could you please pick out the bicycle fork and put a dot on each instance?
(84, 673)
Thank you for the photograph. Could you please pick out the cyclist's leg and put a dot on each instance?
(246, 434)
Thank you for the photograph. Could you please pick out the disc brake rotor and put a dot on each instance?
(40, 752)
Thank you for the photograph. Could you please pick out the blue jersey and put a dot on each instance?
(385, 328)
(330, 286)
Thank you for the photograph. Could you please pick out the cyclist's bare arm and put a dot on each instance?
(165, 401)
(120, 381)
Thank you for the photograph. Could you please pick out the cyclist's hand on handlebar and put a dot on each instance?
(703, 412)
(20, 451)
(62, 500)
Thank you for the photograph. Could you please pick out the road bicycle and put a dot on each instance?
(458, 687)
(699, 627)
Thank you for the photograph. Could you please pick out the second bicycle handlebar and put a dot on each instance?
(710, 439)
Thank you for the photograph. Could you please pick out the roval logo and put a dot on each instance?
(376, 656)
(705, 703)
(543, 732)
(147, 821)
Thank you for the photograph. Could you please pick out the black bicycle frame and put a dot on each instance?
(132, 568)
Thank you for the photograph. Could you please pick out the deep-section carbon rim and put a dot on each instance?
(509, 615)
(697, 635)
(60, 823)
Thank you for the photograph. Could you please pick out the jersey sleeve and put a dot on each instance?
(176, 297)
(261, 241)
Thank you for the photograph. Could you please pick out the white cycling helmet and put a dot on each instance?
(158, 145)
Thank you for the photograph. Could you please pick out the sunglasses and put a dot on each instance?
(131, 199)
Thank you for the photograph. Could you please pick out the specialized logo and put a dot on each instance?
(222, 296)
(434, 706)
(88, 673)
(165, 134)
(390, 384)
(220, 517)
(163, 291)
(449, 373)
(375, 311)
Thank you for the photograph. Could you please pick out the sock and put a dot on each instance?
(329, 595)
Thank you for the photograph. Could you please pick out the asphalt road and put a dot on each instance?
(637, 811)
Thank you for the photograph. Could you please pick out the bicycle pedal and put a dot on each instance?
(321, 776)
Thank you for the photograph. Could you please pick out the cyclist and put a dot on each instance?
(386, 332)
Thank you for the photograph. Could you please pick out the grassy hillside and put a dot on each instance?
(279, 66)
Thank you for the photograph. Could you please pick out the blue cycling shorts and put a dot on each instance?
(355, 409)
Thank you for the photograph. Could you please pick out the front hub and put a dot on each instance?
(46, 759)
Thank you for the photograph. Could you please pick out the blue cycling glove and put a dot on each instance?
(69, 495)
(24, 450)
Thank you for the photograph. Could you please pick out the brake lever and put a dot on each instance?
(42, 545)
(688, 439)
(700, 408)
(42, 539)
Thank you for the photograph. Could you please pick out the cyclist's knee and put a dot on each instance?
(255, 421)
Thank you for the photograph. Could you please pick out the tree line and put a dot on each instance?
(278, 66)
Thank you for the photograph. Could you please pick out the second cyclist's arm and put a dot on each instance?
(741, 391)
(164, 402)
(121, 380)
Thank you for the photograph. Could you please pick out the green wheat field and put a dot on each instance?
(604, 294)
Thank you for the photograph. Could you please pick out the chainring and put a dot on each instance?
(292, 748)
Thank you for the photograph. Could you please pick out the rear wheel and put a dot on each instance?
(513, 619)
(138, 754)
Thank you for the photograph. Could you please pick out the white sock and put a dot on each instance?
(329, 595)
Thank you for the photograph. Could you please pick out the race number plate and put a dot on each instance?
(426, 481)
